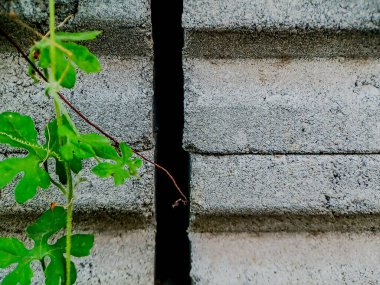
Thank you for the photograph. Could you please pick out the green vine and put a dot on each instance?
(57, 56)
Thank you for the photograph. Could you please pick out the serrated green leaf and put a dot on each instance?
(73, 146)
(83, 58)
(21, 275)
(81, 36)
(18, 131)
(48, 224)
(12, 250)
(101, 145)
(31, 71)
(51, 134)
(117, 171)
(44, 58)
(78, 146)
(55, 271)
(124, 166)
(65, 72)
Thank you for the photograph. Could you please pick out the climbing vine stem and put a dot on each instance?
(58, 56)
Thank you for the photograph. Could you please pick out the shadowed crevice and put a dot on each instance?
(172, 263)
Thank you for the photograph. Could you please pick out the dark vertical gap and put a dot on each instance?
(172, 264)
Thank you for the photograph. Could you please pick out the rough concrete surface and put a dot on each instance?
(283, 258)
(285, 184)
(118, 257)
(130, 13)
(281, 14)
(282, 106)
(126, 25)
(118, 99)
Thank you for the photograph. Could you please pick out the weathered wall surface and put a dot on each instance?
(282, 120)
(119, 99)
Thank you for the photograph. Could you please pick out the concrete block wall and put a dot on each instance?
(282, 116)
(282, 105)
(120, 100)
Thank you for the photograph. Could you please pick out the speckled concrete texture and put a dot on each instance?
(285, 258)
(281, 14)
(281, 28)
(282, 106)
(284, 185)
(282, 122)
(118, 99)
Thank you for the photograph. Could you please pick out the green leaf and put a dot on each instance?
(83, 58)
(21, 275)
(31, 71)
(44, 58)
(117, 171)
(48, 224)
(124, 166)
(65, 72)
(12, 250)
(78, 146)
(81, 36)
(19, 131)
(33, 176)
(73, 145)
(67, 53)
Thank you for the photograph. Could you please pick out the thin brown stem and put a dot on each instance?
(79, 113)
(14, 18)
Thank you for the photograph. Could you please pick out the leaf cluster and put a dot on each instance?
(68, 55)
(65, 144)
(50, 255)
(58, 58)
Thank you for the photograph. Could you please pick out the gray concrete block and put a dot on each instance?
(130, 13)
(281, 14)
(133, 201)
(118, 257)
(283, 258)
(282, 106)
(283, 190)
(280, 28)
(126, 25)
(118, 99)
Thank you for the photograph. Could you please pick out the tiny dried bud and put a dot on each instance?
(53, 205)
(36, 54)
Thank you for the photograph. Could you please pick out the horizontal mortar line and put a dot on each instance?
(286, 222)
(274, 29)
(284, 153)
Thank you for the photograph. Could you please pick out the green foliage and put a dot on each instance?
(58, 56)
(49, 223)
(76, 147)
(118, 169)
(18, 131)
(67, 55)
